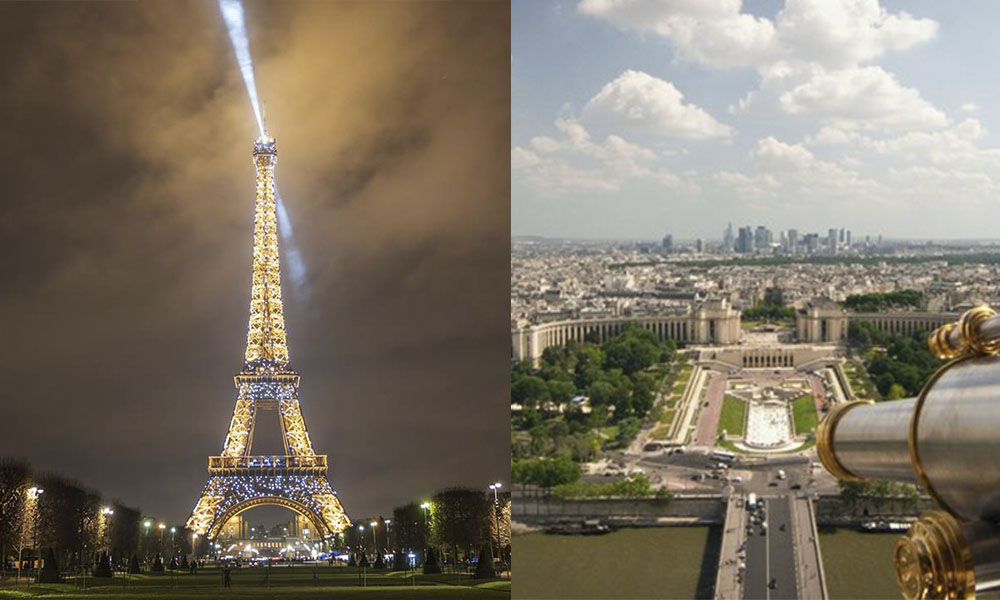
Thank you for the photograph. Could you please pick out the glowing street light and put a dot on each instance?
(374, 524)
(496, 517)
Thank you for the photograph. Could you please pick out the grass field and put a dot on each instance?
(733, 415)
(654, 562)
(294, 582)
(804, 412)
(858, 565)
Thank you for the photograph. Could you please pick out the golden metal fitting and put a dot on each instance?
(933, 559)
(824, 441)
(940, 342)
(969, 328)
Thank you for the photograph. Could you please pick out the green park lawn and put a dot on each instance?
(733, 415)
(804, 412)
(662, 430)
(283, 582)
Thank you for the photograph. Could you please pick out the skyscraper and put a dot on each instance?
(745, 241)
(831, 241)
(668, 244)
(727, 238)
(762, 237)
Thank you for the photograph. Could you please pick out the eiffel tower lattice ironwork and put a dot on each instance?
(238, 480)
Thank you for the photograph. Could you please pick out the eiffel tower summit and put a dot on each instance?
(238, 479)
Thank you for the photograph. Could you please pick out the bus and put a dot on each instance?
(723, 455)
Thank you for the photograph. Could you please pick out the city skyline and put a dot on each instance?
(873, 116)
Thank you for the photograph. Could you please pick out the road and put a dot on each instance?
(708, 419)
(772, 556)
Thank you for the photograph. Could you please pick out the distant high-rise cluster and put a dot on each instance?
(762, 240)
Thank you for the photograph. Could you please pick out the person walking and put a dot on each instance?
(227, 577)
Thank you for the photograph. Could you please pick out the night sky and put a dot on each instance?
(125, 240)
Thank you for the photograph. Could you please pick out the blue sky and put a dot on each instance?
(636, 118)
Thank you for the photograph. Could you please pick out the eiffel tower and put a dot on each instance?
(238, 480)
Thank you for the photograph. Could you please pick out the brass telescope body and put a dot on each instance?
(947, 440)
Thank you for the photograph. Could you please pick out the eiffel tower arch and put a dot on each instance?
(237, 479)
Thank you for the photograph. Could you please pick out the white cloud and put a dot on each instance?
(717, 33)
(641, 103)
(830, 136)
(868, 97)
(714, 33)
(843, 33)
(811, 57)
(577, 163)
(774, 154)
(970, 107)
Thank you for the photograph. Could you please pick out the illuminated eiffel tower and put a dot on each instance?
(238, 480)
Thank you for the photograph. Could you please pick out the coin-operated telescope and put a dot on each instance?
(947, 440)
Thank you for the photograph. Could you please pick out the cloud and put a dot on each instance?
(576, 163)
(775, 154)
(831, 34)
(811, 57)
(836, 34)
(640, 103)
(715, 34)
(868, 97)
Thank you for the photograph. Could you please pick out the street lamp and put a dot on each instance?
(496, 516)
(173, 546)
(388, 543)
(374, 541)
(38, 504)
(145, 540)
(107, 511)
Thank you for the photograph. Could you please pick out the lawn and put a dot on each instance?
(653, 562)
(804, 411)
(663, 429)
(733, 415)
(282, 582)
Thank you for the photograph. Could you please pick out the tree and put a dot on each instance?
(544, 472)
(409, 527)
(431, 564)
(896, 392)
(633, 350)
(627, 430)
(103, 568)
(484, 566)
(14, 479)
(460, 519)
(561, 391)
(123, 533)
(529, 392)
